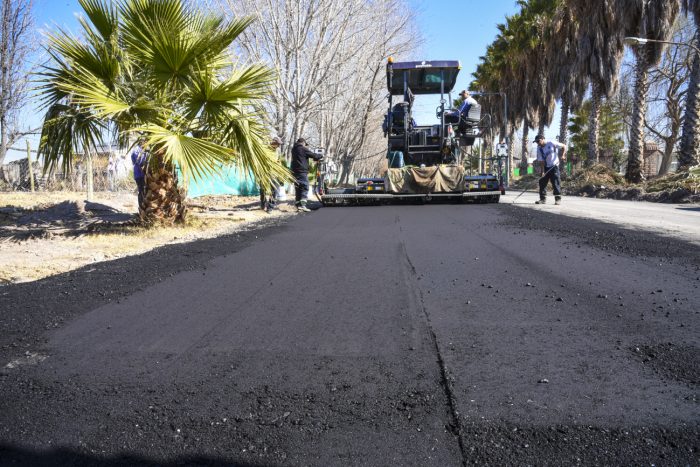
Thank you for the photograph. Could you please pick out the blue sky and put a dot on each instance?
(452, 29)
(457, 30)
(461, 30)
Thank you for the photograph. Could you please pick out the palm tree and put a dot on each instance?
(489, 77)
(563, 81)
(689, 153)
(653, 21)
(599, 54)
(506, 67)
(157, 69)
(536, 17)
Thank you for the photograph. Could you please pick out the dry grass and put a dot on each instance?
(36, 258)
(38, 200)
(687, 180)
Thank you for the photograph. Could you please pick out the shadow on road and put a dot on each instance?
(12, 455)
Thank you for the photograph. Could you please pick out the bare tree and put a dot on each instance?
(330, 57)
(668, 89)
(666, 97)
(16, 43)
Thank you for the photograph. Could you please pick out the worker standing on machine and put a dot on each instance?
(300, 170)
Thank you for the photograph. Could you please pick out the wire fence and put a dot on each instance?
(108, 174)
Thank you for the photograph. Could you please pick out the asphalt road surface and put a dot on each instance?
(396, 335)
(679, 221)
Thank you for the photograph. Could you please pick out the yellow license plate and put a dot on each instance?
(370, 188)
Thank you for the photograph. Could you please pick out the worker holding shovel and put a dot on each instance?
(548, 159)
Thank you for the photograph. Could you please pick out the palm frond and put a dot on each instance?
(67, 131)
(196, 158)
(103, 16)
(97, 58)
(211, 100)
(247, 138)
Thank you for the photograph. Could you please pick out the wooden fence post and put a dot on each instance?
(29, 163)
(90, 178)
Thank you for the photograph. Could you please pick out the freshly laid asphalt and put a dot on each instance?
(394, 335)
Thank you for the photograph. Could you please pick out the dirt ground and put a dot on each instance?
(599, 181)
(47, 233)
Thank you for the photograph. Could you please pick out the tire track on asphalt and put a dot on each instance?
(454, 425)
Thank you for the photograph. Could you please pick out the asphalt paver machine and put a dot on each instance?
(424, 160)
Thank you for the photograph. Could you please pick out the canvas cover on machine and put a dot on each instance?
(420, 180)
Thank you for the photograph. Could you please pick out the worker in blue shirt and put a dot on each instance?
(548, 159)
(139, 157)
(467, 102)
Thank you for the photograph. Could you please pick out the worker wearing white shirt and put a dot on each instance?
(548, 159)
(467, 102)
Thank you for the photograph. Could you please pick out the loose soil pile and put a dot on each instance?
(600, 181)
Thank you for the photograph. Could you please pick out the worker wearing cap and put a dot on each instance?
(467, 102)
(548, 159)
(300, 169)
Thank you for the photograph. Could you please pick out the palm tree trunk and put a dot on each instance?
(564, 119)
(635, 157)
(511, 143)
(525, 151)
(593, 125)
(540, 128)
(164, 202)
(689, 154)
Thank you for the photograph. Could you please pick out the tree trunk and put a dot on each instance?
(3, 140)
(635, 157)
(525, 148)
(163, 202)
(564, 119)
(540, 128)
(345, 169)
(670, 145)
(689, 153)
(511, 143)
(4, 76)
(593, 125)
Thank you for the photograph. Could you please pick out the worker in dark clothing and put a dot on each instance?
(268, 200)
(139, 157)
(300, 170)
